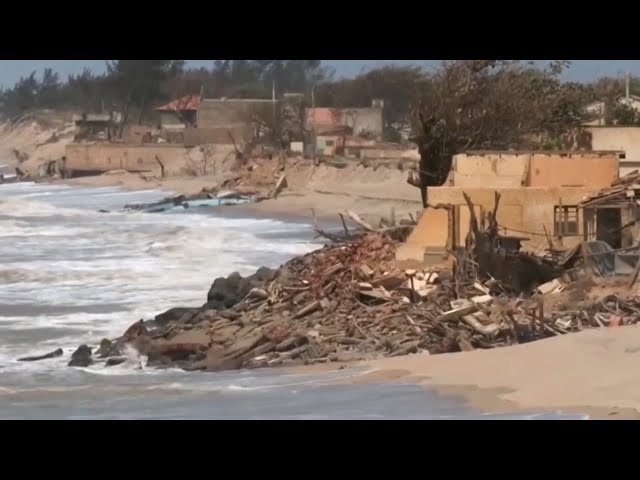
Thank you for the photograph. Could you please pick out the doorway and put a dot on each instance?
(609, 225)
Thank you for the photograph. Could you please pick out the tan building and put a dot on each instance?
(625, 139)
(540, 193)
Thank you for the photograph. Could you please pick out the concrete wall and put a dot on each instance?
(586, 169)
(360, 120)
(495, 169)
(215, 113)
(202, 136)
(626, 139)
(102, 157)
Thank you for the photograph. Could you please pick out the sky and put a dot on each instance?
(580, 70)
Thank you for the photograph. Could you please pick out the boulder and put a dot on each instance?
(136, 330)
(54, 354)
(182, 346)
(224, 334)
(113, 361)
(81, 357)
(174, 314)
(227, 292)
(245, 343)
(107, 349)
(215, 361)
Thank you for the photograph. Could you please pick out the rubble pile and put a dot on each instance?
(349, 302)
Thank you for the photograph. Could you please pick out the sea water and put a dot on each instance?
(70, 274)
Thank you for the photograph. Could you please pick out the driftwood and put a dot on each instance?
(399, 233)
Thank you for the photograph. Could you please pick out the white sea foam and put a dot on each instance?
(64, 264)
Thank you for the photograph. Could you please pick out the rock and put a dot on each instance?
(113, 361)
(244, 344)
(224, 334)
(227, 292)
(107, 349)
(54, 354)
(183, 345)
(134, 331)
(145, 345)
(81, 357)
(174, 314)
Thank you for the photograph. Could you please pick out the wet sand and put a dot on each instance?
(592, 372)
(328, 191)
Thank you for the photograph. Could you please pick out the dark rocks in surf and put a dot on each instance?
(107, 349)
(81, 357)
(54, 354)
(113, 361)
(227, 292)
(175, 315)
(136, 330)
(187, 346)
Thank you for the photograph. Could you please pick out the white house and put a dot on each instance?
(598, 108)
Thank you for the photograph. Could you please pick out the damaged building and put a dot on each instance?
(612, 214)
(541, 194)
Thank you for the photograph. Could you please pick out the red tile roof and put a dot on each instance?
(184, 104)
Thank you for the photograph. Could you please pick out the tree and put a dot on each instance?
(48, 90)
(138, 82)
(491, 104)
(398, 86)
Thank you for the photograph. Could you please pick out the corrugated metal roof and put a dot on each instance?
(184, 104)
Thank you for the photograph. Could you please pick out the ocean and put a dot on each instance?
(71, 275)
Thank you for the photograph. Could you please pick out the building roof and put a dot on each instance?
(188, 103)
(622, 191)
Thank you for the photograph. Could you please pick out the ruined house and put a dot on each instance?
(613, 213)
(180, 114)
(366, 122)
(96, 126)
(541, 192)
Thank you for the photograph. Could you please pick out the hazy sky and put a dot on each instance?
(11, 70)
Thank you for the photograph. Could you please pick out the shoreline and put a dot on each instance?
(453, 374)
(325, 195)
(485, 400)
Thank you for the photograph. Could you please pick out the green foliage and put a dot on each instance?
(492, 105)
(625, 116)
(141, 84)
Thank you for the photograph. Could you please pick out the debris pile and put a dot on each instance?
(349, 301)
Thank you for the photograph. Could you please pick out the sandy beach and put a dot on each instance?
(593, 371)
